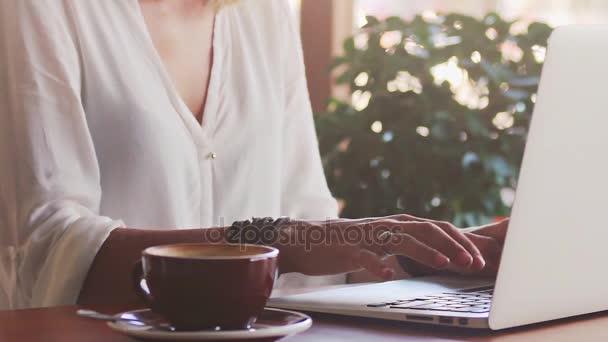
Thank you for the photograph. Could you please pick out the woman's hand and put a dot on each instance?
(342, 246)
(488, 239)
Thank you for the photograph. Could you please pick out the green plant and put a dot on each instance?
(438, 118)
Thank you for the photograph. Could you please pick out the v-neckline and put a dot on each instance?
(209, 107)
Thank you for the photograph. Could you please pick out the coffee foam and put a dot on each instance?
(207, 251)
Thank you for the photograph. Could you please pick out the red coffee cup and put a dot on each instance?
(207, 286)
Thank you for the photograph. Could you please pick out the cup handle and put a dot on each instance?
(140, 285)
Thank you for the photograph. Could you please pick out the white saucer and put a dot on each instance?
(272, 324)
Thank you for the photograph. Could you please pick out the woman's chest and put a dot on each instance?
(134, 111)
(182, 34)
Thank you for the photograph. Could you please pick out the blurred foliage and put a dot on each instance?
(413, 142)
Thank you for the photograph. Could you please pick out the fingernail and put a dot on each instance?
(464, 259)
(480, 261)
(441, 261)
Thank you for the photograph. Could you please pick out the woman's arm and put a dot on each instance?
(312, 248)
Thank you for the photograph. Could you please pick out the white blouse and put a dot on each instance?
(94, 136)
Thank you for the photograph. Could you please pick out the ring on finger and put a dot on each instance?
(385, 238)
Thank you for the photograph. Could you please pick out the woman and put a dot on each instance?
(124, 122)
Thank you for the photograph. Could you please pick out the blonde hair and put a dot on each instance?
(219, 4)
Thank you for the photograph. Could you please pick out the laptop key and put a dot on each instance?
(398, 302)
(428, 297)
(482, 307)
(449, 299)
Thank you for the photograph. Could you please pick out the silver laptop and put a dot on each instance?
(554, 259)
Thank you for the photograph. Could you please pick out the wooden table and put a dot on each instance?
(62, 325)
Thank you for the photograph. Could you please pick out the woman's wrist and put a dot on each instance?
(287, 244)
(280, 233)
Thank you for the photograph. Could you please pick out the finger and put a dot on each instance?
(407, 218)
(458, 235)
(399, 217)
(375, 265)
(491, 251)
(409, 246)
(489, 248)
(434, 236)
(496, 231)
(479, 261)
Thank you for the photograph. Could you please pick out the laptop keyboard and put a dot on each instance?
(472, 301)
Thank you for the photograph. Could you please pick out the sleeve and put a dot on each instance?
(305, 191)
(50, 184)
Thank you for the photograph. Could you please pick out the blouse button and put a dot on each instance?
(212, 156)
